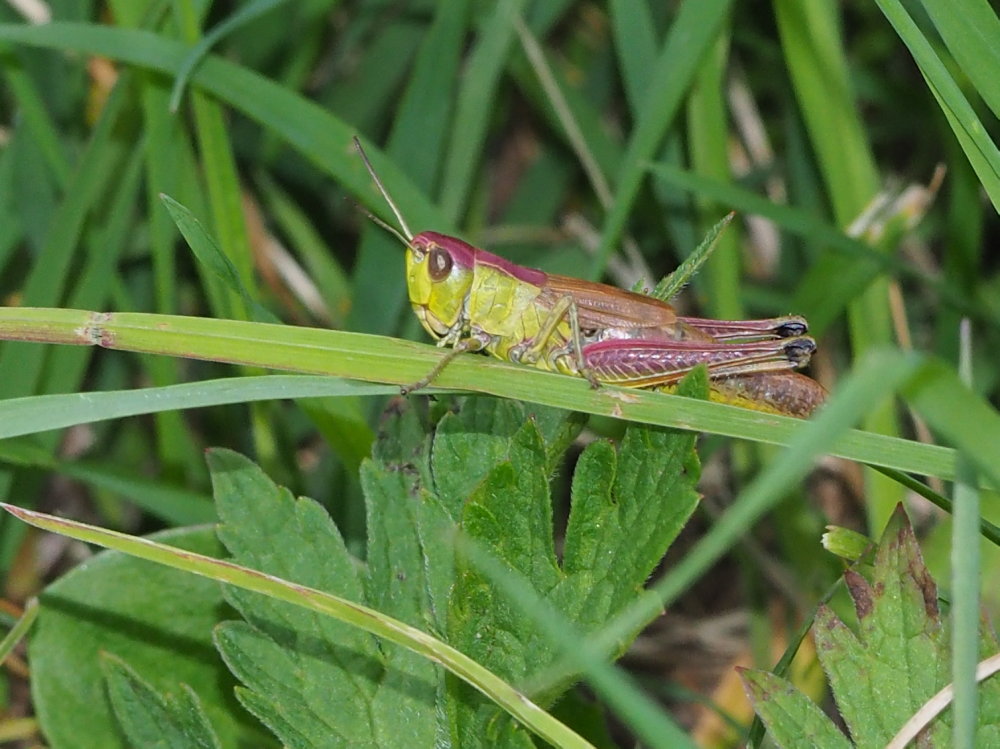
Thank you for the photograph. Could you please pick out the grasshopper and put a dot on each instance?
(472, 300)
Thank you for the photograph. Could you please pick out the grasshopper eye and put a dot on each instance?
(439, 264)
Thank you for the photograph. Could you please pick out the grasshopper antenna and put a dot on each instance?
(407, 235)
(388, 227)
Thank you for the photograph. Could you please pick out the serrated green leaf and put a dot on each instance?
(469, 444)
(400, 582)
(290, 691)
(792, 719)
(316, 674)
(510, 513)
(392, 484)
(132, 608)
(398, 484)
(628, 505)
(899, 658)
(154, 721)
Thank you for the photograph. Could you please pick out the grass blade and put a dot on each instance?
(387, 360)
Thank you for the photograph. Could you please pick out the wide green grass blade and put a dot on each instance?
(981, 151)
(695, 29)
(387, 360)
(40, 413)
(320, 136)
(240, 17)
(635, 44)
(474, 105)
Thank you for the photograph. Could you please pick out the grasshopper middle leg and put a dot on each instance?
(564, 309)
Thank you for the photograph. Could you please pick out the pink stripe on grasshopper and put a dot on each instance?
(743, 330)
(645, 363)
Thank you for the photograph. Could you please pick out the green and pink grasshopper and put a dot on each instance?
(473, 300)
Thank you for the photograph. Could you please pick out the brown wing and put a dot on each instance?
(603, 306)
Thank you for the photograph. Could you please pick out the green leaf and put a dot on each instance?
(493, 461)
(294, 662)
(470, 444)
(149, 719)
(898, 659)
(213, 258)
(244, 15)
(132, 608)
(792, 719)
(403, 577)
(671, 284)
(628, 504)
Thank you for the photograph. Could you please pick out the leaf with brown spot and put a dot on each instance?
(792, 719)
(881, 674)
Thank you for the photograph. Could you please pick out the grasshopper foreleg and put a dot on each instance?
(476, 342)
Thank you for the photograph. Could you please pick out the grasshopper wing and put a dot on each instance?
(601, 306)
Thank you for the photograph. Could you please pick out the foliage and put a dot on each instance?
(894, 664)
(174, 174)
(314, 681)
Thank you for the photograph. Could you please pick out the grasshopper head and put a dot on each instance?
(439, 271)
